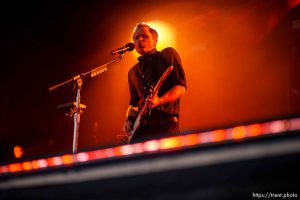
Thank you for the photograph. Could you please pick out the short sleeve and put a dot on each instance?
(177, 76)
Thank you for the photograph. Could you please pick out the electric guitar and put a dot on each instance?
(144, 109)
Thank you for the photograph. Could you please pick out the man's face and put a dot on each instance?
(143, 40)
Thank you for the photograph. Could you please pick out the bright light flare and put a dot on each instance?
(166, 35)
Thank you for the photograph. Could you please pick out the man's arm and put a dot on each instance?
(170, 96)
(132, 112)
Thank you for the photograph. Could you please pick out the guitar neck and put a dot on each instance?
(162, 79)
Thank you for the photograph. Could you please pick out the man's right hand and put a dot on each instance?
(128, 125)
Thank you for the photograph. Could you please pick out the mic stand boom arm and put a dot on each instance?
(77, 110)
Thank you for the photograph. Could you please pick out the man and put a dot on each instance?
(162, 120)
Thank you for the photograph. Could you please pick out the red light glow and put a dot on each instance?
(18, 151)
(293, 3)
(15, 167)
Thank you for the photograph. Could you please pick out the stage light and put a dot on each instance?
(192, 139)
(15, 167)
(166, 35)
(18, 151)
(55, 161)
(109, 152)
(4, 169)
(254, 130)
(35, 164)
(152, 145)
(126, 149)
(42, 163)
(238, 132)
(82, 157)
(27, 165)
(278, 126)
(170, 143)
(205, 137)
(67, 159)
(219, 135)
(98, 154)
(294, 124)
(138, 148)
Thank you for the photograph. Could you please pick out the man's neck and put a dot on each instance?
(150, 52)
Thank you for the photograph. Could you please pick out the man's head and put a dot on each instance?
(144, 38)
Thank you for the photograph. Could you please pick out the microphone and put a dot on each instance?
(121, 50)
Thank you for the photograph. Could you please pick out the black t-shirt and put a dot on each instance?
(145, 74)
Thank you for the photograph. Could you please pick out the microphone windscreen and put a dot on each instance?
(130, 46)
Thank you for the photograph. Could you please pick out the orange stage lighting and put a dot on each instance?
(126, 149)
(55, 161)
(35, 164)
(170, 143)
(192, 139)
(164, 144)
(67, 159)
(166, 35)
(219, 135)
(18, 151)
(16, 167)
(278, 126)
(98, 154)
(152, 145)
(239, 132)
(254, 130)
(82, 157)
(27, 165)
(138, 148)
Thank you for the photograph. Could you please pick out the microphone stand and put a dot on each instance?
(78, 107)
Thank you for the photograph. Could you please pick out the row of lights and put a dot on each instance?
(98, 70)
(159, 145)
